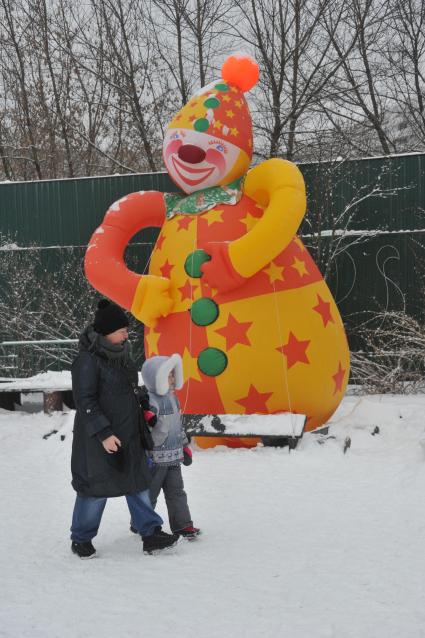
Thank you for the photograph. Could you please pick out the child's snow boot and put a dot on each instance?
(189, 532)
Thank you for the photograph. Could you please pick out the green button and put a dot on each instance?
(194, 261)
(204, 311)
(212, 361)
(222, 87)
(201, 125)
(212, 103)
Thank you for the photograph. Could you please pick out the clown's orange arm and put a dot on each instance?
(278, 186)
(104, 263)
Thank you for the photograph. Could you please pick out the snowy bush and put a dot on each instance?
(393, 360)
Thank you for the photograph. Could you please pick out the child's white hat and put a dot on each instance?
(155, 371)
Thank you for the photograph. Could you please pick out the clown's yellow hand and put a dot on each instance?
(278, 186)
(153, 299)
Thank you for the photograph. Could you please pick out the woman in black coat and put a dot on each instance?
(107, 457)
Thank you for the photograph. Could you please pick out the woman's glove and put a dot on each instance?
(187, 456)
(144, 398)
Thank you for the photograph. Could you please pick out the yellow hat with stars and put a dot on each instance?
(220, 109)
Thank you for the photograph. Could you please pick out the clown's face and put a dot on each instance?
(196, 160)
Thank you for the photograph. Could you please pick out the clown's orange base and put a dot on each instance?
(205, 442)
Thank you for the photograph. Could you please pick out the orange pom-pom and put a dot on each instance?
(241, 71)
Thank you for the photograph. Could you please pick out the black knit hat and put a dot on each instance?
(109, 317)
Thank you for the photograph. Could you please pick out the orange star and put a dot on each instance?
(255, 401)
(226, 98)
(187, 291)
(230, 114)
(338, 378)
(294, 350)
(217, 124)
(166, 269)
(324, 310)
(183, 223)
(234, 89)
(235, 332)
(238, 103)
(234, 132)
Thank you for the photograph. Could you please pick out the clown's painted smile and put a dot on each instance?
(196, 160)
(182, 168)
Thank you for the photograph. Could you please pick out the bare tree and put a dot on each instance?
(207, 21)
(59, 80)
(88, 88)
(167, 21)
(290, 38)
(362, 100)
(128, 53)
(15, 51)
(406, 53)
(92, 93)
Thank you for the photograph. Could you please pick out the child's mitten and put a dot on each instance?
(150, 418)
(187, 456)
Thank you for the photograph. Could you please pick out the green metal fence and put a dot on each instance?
(380, 201)
(65, 212)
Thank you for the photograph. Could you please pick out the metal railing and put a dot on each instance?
(26, 358)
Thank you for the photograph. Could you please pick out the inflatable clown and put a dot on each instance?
(230, 285)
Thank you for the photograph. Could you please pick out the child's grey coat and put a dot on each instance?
(168, 435)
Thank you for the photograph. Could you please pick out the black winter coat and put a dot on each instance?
(106, 404)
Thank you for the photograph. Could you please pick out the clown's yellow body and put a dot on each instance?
(281, 331)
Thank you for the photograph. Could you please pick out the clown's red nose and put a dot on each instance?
(191, 154)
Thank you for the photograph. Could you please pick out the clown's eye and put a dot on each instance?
(218, 146)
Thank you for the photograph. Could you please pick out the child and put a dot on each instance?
(162, 375)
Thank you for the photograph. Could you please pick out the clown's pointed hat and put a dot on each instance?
(220, 109)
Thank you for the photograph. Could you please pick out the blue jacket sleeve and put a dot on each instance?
(85, 389)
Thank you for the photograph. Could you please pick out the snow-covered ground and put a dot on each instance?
(307, 544)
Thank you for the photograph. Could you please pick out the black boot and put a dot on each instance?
(83, 550)
(158, 541)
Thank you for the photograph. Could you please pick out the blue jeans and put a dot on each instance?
(88, 512)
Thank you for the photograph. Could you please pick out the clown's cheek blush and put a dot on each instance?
(217, 159)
